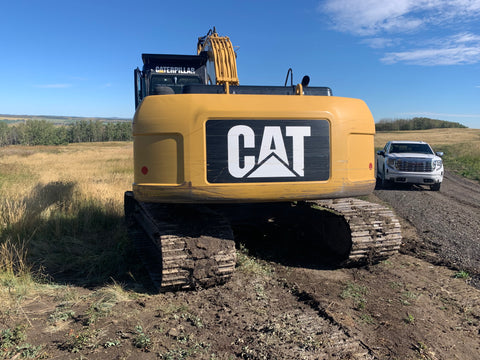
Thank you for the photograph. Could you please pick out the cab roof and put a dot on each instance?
(150, 61)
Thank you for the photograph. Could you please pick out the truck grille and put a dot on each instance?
(414, 165)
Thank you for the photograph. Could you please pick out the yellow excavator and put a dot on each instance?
(209, 151)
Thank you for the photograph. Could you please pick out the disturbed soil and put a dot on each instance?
(423, 303)
(448, 221)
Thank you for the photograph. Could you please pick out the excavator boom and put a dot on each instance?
(221, 55)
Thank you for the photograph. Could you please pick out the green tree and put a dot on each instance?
(4, 133)
(61, 135)
(109, 132)
(124, 131)
(39, 132)
(417, 123)
(18, 135)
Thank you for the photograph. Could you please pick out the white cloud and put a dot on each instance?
(409, 23)
(465, 38)
(379, 42)
(455, 50)
(370, 17)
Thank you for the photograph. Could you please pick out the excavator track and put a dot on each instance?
(375, 231)
(192, 246)
(182, 246)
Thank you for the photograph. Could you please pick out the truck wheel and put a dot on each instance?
(383, 181)
(435, 187)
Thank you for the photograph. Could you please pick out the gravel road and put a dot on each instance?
(448, 221)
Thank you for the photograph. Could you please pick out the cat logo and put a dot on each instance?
(267, 150)
(272, 160)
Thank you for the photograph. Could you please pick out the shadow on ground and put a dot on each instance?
(72, 240)
(292, 234)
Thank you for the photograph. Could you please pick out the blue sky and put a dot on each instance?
(405, 58)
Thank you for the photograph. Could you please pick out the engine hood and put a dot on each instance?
(412, 156)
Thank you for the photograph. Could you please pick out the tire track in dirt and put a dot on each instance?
(448, 221)
(341, 341)
(461, 190)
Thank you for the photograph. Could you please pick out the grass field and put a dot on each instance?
(61, 214)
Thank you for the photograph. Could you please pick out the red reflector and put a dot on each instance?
(144, 170)
(370, 166)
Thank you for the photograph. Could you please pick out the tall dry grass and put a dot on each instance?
(435, 137)
(61, 212)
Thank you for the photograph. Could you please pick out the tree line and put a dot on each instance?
(417, 123)
(42, 132)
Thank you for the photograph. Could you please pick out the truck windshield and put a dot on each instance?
(176, 82)
(411, 148)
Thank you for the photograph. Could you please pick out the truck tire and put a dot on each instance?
(383, 181)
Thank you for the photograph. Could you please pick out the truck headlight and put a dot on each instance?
(437, 164)
(391, 163)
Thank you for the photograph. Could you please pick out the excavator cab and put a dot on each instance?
(168, 74)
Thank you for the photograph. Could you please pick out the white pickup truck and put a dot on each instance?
(410, 162)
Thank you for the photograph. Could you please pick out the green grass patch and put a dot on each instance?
(249, 264)
(463, 159)
(462, 274)
(141, 340)
(77, 341)
(357, 293)
(409, 319)
(367, 319)
(408, 297)
(13, 345)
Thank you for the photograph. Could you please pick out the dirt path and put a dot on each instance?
(447, 221)
(403, 308)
